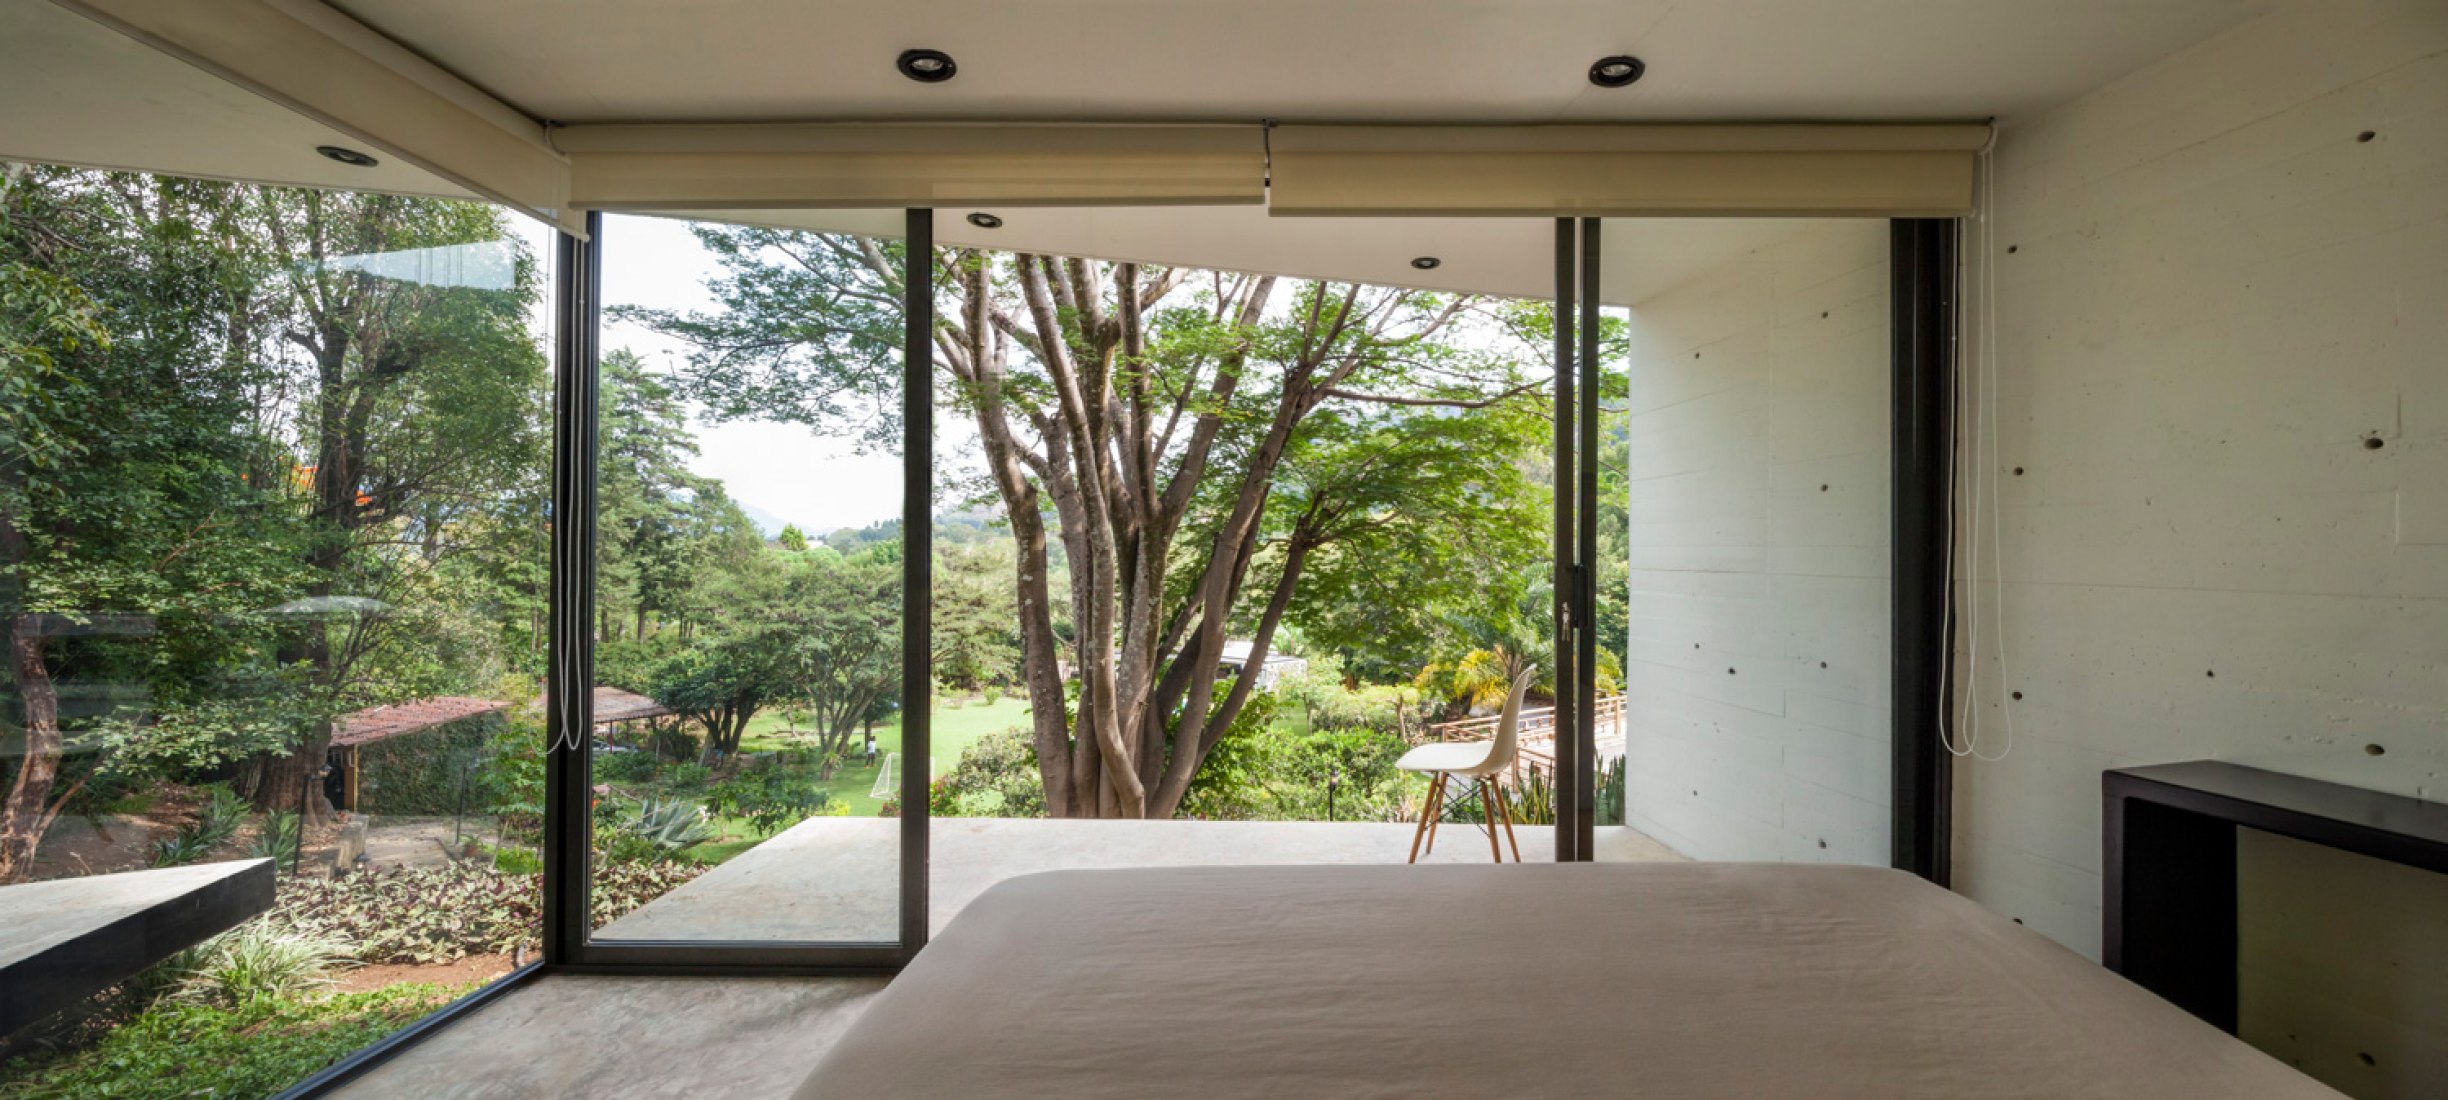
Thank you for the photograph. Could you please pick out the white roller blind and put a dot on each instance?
(764, 166)
(1625, 171)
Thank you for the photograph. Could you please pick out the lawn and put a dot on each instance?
(957, 726)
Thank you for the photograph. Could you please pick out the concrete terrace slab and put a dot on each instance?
(65, 939)
(834, 879)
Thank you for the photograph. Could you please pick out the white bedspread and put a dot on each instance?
(1589, 980)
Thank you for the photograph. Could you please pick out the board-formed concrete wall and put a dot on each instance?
(1757, 675)
(2221, 470)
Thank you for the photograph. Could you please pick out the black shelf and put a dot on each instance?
(2169, 911)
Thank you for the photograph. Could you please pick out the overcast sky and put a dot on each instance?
(785, 471)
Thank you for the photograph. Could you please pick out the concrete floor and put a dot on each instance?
(829, 879)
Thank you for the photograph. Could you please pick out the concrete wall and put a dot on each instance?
(1758, 671)
(2221, 467)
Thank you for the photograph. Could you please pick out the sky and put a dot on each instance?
(783, 471)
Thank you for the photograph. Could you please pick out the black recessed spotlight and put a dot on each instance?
(984, 220)
(926, 66)
(1426, 263)
(347, 156)
(1616, 71)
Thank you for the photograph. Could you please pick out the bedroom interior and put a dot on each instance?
(1989, 556)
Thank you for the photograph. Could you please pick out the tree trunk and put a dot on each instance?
(29, 810)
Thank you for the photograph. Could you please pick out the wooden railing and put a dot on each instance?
(1535, 737)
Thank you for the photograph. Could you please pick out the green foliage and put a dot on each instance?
(1270, 773)
(278, 837)
(431, 771)
(515, 860)
(250, 1049)
(792, 539)
(772, 795)
(216, 820)
(995, 777)
(1609, 801)
(428, 915)
(687, 775)
(669, 825)
(624, 767)
(511, 776)
(256, 959)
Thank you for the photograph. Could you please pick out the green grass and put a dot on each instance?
(955, 729)
(250, 1050)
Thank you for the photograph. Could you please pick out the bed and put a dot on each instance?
(1576, 980)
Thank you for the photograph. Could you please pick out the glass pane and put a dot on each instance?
(272, 555)
(748, 596)
(1361, 406)
(1745, 534)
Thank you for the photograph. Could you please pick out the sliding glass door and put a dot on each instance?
(1756, 550)
(740, 708)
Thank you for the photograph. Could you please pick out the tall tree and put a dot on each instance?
(401, 328)
(144, 513)
(1138, 414)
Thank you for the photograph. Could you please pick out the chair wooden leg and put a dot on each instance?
(1504, 806)
(1487, 809)
(1427, 812)
(1435, 810)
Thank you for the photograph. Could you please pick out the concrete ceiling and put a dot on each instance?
(1294, 60)
(74, 92)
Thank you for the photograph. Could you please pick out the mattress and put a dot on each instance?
(1527, 980)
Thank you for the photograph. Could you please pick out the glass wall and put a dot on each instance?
(748, 602)
(1746, 484)
(272, 556)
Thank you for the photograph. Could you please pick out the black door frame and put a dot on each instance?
(569, 942)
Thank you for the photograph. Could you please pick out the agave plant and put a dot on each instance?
(279, 836)
(670, 824)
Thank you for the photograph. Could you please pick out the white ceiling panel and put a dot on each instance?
(75, 92)
(1294, 60)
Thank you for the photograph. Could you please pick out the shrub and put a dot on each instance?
(416, 914)
(1610, 798)
(279, 836)
(688, 775)
(253, 1048)
(439, 770)
(624, 767)
(256, 959)
(772, 795)
(996, 777)
(216, 820)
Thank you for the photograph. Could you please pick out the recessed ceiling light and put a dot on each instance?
(1616, 71)
(347, 156)
(927, 66)
(1426, 263)
(984, 220)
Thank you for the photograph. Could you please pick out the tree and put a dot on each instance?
(976, 642)
(843, 619)
(1138, 414)
(401, 325)
(143, 510)
(721, 683)
(792, 539)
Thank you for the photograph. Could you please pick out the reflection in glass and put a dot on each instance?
(271, 567)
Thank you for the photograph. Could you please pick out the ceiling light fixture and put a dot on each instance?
(347, 156)
(926, 66)
(1616, 71)
(1426, 263)
(984, 220)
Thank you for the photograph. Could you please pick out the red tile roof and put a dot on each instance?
(376, 723)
